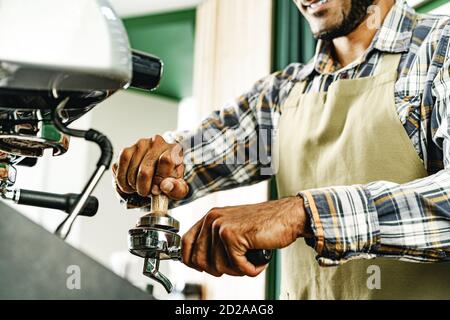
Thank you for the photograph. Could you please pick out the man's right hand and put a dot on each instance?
(151, 166)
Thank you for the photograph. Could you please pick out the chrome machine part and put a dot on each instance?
(147, 242)
(26, 133)
(103, 164)
(90, 60)
(7, 170)
(160, 222)
(155, 238)
(63, 202)
(64, 228)
(151, 270)
(32, 85)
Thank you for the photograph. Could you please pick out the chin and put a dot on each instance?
(324, 33)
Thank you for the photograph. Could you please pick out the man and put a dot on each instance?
(362, 161)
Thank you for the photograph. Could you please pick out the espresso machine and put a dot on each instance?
(58, 60)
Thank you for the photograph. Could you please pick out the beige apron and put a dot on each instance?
(350, 135)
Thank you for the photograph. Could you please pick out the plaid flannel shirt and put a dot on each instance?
(405, 221)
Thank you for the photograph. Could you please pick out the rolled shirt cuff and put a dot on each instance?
(344, 221)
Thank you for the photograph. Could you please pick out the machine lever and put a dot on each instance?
(103, 164)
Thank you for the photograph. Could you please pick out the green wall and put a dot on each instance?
(431, 4)
(169, 36)
(293, 41)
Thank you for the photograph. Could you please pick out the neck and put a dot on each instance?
(352, 46)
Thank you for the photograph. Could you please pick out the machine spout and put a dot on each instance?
(151, 270)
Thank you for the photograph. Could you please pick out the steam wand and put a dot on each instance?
(63, 202)
(103, 164)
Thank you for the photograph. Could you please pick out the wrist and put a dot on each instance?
(302, 222)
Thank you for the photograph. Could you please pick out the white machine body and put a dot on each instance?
(69, 45)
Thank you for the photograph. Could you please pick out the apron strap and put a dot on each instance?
(389, 63)
(294, 96)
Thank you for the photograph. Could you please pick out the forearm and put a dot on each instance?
(222, 159)
(233, 146)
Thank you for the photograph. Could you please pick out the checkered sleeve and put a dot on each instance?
(232, 146)
(405, 221)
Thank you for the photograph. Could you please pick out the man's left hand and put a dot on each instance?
(217, 244)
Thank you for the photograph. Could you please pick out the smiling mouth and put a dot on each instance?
(316, 6)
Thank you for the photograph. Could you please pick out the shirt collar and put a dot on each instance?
(396, 32)
(394, 36)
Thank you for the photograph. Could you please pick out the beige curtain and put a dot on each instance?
(233, 51)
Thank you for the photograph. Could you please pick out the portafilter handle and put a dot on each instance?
(158, 221)
(160, 207)
(159, 211)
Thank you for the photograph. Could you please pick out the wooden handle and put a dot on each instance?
(159, 205)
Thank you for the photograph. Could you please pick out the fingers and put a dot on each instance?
(201, 255)
(122, 169)
(237, 254)
(212, 246)
(169, 161)
(147, 167)
(241, 263)
(188, 243)
(145, 173)
(176, 189)
(220, 260)
(141, 150)
(144, 166)
(169, 174)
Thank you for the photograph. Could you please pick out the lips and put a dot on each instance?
(315, 6)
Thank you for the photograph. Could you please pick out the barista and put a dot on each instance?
(362, 160)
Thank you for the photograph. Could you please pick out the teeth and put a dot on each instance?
(317, 4)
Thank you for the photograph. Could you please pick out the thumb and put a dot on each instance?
(176, 189)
